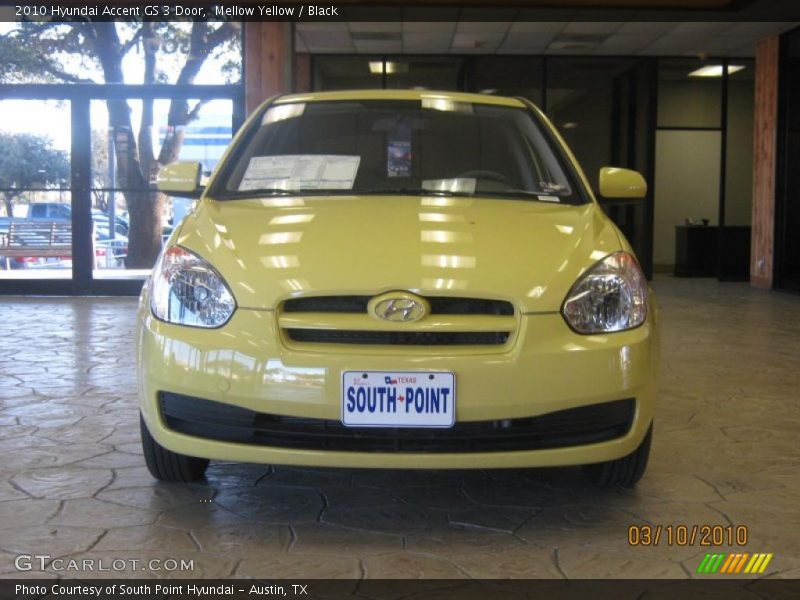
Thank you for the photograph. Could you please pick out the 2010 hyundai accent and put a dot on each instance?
(398, 279)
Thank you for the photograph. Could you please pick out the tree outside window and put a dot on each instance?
(145, 53)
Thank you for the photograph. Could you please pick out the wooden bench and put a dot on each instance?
(36, 239)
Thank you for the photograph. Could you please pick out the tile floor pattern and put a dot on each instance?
(72, 481)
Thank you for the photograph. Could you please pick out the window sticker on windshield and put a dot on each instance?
(300, 171)
(399, 159)
(549, 198)
(550, 187)
(398, 150)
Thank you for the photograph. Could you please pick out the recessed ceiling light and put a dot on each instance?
(715, 70)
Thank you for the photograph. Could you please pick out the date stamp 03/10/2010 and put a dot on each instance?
(687, 535)
(705, 536)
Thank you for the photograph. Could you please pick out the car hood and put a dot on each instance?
(527, 252)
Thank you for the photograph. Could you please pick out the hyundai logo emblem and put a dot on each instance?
(399, 307)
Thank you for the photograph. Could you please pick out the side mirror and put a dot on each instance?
(621, 183)
(181, 179)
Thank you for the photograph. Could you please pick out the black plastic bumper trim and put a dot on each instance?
(565, 428)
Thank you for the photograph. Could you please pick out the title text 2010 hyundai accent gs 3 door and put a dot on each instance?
(398, 279)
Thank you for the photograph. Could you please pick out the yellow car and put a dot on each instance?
(398, 279)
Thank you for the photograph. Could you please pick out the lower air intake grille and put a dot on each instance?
(222, 422)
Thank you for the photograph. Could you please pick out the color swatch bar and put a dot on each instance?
(734, 563)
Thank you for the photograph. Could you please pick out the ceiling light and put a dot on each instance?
(441, 103)
(569, 125)
(715, 70)
(376, 67)
(438, 104)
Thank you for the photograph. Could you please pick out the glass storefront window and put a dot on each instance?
(122, 194)
(36, 52)
(35, 212)
(111, 224)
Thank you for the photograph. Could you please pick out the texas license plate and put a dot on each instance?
(398, 399)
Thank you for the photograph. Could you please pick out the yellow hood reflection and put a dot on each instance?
(527, 252)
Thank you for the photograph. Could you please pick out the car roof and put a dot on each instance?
(400, 95)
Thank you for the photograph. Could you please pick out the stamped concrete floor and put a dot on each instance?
(73, 484)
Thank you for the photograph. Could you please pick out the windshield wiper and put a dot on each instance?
(412, 192)
(384, 192)
(524, 194)
(273, 192)
(267, 192)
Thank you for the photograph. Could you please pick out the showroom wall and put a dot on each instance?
(739, 172)
(686, 186)
(601, 106)
(696, 118)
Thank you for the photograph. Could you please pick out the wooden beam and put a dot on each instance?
(762, 248)
(302, 73)
(268, 61)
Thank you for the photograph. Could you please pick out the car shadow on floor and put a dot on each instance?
(518, 503)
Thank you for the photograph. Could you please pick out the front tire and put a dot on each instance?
(622, 472)
(166, 465)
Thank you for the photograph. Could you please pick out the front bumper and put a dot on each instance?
(547, 369)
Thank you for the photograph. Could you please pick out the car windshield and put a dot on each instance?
(433, 145)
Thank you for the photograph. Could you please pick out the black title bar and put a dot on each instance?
(244, 10)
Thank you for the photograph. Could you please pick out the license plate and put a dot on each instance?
(398, 399)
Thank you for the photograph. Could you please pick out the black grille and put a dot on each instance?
(332, 304)
(565, 428)
(398, 338)
(440, 305)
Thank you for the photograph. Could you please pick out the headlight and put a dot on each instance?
(611, 296)
(187, 290)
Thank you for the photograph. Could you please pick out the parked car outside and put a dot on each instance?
(110, 252)
(398, 279)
